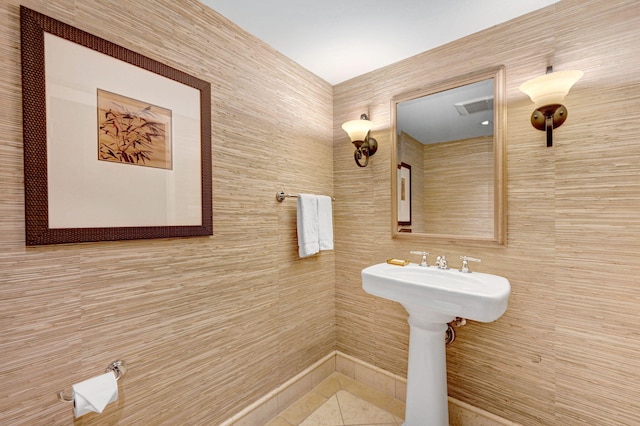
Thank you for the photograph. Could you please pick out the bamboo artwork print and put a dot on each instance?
(133, 132)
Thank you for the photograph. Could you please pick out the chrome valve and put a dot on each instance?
(424, 254)
(465, 263)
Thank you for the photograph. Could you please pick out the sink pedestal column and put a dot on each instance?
(427, 402)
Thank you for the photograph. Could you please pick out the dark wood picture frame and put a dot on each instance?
(33, 26)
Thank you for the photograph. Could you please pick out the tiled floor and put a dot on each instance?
(341, 401)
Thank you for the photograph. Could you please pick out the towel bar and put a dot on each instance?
(280, 196)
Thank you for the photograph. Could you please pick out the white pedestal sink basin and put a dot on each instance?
(433, 298)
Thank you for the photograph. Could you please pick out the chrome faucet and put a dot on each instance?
(424, 254)
(441, 261)
(465, 263)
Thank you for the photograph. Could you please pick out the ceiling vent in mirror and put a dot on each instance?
(475, 105)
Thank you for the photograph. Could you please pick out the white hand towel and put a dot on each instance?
(94, 394)
(325, 223)
(307, 225)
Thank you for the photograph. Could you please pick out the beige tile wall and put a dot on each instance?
(206, 325)
(210, 325)
(566, 351)
(460, 175)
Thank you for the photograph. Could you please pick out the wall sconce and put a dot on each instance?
(549, 90)
(358, 131)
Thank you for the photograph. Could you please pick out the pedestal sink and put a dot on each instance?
(433, 298)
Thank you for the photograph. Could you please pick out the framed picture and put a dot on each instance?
(404, 194)
(117, 146)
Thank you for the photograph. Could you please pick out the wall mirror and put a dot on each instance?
(448, 160)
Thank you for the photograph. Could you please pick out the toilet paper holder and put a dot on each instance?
(116, 367)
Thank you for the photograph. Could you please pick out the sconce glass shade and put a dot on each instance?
(357, 129)
(366, 146)
(551, 88)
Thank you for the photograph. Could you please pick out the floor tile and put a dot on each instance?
(301, 409)
(329, 386)
(327, 415)
(279, 421)
(374, 397)
(356, 411)
(342, 401)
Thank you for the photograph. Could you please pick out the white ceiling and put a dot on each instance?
(341, 39)
(436, 118)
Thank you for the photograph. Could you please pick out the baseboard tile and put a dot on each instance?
(284, 395)
(270, 405)
(463, 414)
(460, 413)
(388, 383)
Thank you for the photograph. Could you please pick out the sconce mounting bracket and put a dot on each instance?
(366, 149)
(370, 143)
(557, 112)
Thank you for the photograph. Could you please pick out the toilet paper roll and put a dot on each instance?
(94, 394)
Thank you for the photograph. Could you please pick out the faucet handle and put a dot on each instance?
(465, 263)
(424, 254)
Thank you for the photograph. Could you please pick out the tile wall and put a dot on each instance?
(566, 351)
(211, 325)
(207, 325)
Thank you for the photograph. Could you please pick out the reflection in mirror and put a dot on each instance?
(449, 137)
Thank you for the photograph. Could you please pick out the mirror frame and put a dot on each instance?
(499, 137)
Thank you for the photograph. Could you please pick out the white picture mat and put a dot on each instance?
(404, 206)
(84, 192)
